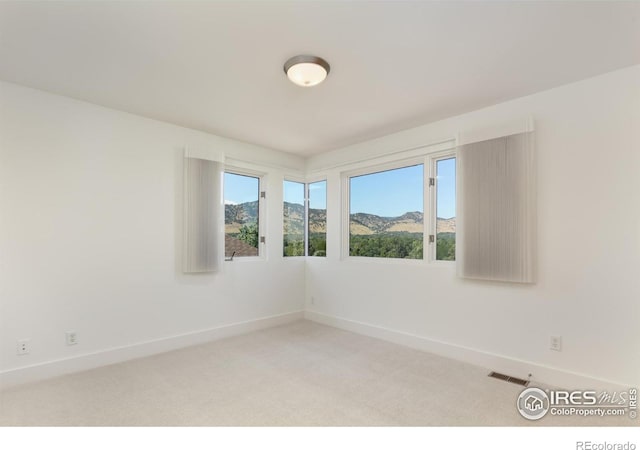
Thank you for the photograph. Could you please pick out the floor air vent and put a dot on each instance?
(514, 380)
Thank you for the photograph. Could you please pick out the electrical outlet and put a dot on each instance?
(556, 343)
(24, 347)
(72, 338)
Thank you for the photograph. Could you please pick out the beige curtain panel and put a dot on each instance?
(496, 235)
(202, 211)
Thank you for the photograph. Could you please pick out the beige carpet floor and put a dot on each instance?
(297, 374)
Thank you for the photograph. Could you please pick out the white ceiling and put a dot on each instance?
(217, 66)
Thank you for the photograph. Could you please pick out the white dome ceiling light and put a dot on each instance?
(306, 70)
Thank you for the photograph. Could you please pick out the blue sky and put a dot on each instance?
(388, 194)
(318, 195)
(446, 197)
(294, 193)
(240, 188)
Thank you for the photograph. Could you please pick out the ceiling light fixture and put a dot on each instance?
(306, 70)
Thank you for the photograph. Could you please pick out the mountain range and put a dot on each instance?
(361, 223)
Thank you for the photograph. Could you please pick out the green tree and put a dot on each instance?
(446, 247)
(403, 245)
(318, 244)
(293, 246)
(249, 234)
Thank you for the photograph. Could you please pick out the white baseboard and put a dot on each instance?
(541, 374)
(519, 368)
(87, 361)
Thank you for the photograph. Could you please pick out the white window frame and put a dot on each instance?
(306, 183)
(432, 160)
(262, 228)
(346, 199)
(429, 160)
(294, 179)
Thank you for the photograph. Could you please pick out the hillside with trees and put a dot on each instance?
(370, 235)
(294, 230)
(241, 222)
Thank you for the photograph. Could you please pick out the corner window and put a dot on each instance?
(304, 221)
(241, 215)
(386, 213)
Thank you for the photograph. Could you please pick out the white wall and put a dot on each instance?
(90, 234)
(589, 249)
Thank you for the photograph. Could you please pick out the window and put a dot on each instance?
(385, 208)
(445, 185)
(294, 218)
(241, 215)
(305, 227)
(317, 223)
(386, 213)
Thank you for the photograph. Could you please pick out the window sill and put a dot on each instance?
(378, 260)
(398, 261)
(246, 259)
